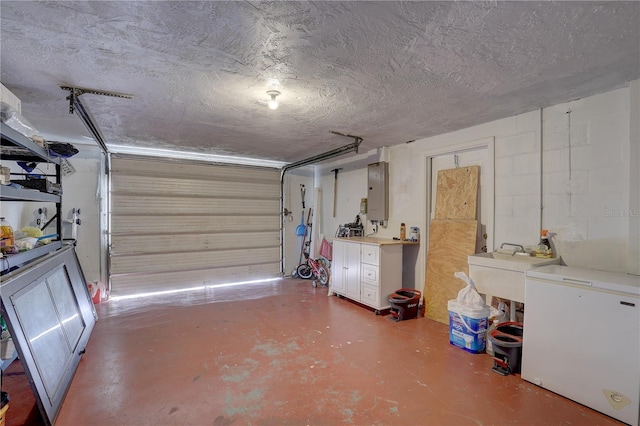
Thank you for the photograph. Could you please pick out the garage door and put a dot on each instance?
(178, 225)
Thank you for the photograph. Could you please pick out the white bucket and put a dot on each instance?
(467, 326)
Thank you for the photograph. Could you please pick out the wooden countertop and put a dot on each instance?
(377, 241)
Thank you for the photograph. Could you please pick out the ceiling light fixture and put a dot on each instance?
(273, 103)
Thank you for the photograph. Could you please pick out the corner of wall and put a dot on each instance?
(634, 179)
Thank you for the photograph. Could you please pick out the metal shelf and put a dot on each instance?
(18, 147)
(9, 193)
(12, 260)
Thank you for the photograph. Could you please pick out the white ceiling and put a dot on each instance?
(388, 72)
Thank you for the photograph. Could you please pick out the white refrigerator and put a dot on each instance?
(582, 337)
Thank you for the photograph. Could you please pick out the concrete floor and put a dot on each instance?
(284, 353)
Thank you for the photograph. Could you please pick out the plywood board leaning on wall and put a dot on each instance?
(457, 193)
(450, 242)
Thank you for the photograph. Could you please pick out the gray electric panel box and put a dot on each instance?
(378, 192)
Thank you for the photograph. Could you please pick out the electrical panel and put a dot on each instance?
(378, 191)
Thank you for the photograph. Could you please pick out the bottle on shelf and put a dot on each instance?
(403, 231)
(543, 250)
(8, 241)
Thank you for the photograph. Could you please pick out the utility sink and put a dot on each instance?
(510, 262)
(502, 275)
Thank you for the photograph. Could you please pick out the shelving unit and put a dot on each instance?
(15, 146)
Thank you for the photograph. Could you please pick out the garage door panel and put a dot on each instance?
(145, 225)
(130, 284)
(174, 223)
(140, 166)
(183, 243)
(192, 188)
(190, 206)
(166, 262)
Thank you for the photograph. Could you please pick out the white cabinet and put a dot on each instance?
(345, 269)
(366, 272)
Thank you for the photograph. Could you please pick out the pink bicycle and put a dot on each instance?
(313, 268)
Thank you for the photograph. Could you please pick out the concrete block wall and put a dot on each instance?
(586, 164)
(517, 187)
(585, 191)
(586, 181)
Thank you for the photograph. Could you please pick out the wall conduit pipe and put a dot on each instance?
(541, 166)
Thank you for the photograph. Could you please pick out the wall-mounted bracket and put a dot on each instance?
(76, 106)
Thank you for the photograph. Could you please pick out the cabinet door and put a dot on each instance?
(338, 267)
(352, 270)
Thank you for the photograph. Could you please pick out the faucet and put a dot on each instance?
(518, 246)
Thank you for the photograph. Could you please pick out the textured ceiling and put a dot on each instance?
(386, 71)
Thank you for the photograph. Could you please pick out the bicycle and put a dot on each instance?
(313, 268)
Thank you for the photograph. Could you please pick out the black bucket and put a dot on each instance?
(404, 304)
(506, 339)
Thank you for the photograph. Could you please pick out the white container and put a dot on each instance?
(468, 327)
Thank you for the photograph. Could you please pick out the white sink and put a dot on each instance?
(515, 262)
(502, 275)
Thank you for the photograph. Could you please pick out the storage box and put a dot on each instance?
(467, 327)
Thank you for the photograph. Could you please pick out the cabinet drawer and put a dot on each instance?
(369, 295)
(370, 254)
(370, 274)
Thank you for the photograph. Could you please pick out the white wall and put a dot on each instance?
(590, 196)
(82, 190)
(351, 188)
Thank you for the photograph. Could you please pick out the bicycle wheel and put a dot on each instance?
(305, 271)
(323, 275)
